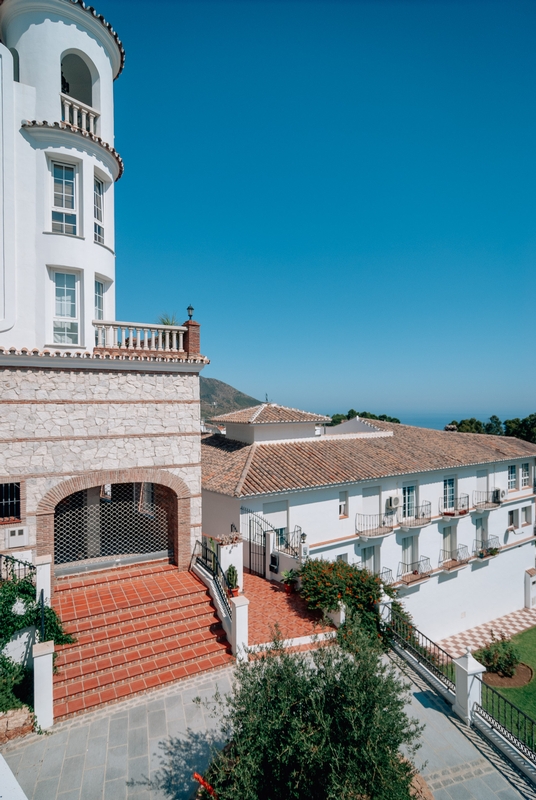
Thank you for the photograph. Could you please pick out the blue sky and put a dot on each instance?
(345, 191)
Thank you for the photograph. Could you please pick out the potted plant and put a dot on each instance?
(493, 551)
(289, 578)
(232, 580)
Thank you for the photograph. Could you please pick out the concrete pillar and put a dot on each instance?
(337, 617)
(239, 626)
(270, 548)
(468, 685)
(43, 699)
(43, 580)
(304, 552)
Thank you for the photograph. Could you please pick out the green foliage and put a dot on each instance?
(290, 576)
(232, 577)
(327, 725)
(327, 584)
(336, 419)
(21, 593)
(520, 428)
(168, 319)
(11, 675)
(500, 655)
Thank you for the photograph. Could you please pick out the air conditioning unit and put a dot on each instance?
(393, 502)
(499, 495)
(16, 536)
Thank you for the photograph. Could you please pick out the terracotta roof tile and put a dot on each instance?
(270, 412)
(239, 470)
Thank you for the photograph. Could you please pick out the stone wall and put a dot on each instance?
(66, 429)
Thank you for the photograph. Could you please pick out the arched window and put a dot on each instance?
(16, 72)
(76, 79)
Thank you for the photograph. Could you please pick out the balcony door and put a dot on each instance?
(449, 540)
(409, 500)
(370, 558)
(448, 494)
(480, 530)
(410, 550)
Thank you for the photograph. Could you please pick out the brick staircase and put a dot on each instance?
(136, 628)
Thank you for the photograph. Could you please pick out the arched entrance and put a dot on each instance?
(114, 520)
(115, 516)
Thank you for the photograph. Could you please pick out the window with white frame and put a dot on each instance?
(343, 504)
(512, 476)
(64, 202)
(343, 557)
(408, 501)
(66, 308)
(99, 299)
(448, 493)
(526, 515)
(513, 518)
(525, 475)
(98, 210)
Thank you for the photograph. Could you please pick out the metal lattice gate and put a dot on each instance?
(254, 535)
(112, 520)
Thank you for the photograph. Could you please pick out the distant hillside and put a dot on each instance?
(220, 398)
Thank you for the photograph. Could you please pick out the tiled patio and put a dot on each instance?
(477, 637)
(270, 605)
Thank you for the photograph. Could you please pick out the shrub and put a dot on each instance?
(11, 675)
(326, 584)
(22, 592)
(500, 655)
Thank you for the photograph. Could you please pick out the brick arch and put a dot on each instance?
(181, 512)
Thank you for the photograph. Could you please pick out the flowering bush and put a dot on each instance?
(500, 655)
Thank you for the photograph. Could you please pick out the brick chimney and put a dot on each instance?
(192, 339)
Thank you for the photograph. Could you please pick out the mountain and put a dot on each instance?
(220, 398)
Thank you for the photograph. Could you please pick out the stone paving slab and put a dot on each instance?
(93, 756)
(481, 635)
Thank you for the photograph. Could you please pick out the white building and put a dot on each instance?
(447, 518)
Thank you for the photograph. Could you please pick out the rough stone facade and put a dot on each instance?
(63, 430)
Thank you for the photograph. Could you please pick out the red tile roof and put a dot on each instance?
(270, 412)
(239, 470)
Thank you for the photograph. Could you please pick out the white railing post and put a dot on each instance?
(468, 685)
(43, 654)
(269, 548)
(42, 579)
(66, 111)
(181, 341)
(239, 627)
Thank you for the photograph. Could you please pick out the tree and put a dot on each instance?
(325, 725)
(494, 426)
(336, 419)
(522, 428)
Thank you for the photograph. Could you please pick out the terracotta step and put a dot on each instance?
(64, 709)
(142, 627)
(155, 641)
(111, 575)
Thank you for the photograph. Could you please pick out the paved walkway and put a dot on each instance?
(477, 637)
(92, 757)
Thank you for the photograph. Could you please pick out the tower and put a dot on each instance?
(58, 167)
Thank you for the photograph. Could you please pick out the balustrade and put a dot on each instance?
(135, 336)
(78, 114)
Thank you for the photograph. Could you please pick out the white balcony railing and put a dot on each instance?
(78, 114)
(136, 336)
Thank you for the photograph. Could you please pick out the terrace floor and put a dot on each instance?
(475, 638)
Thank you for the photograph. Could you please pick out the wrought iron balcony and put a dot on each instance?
(385, 575)
(454, 507)
(452, 559)
(417, 516)
(414, 572)
(487, 501)
(487, 547)
(375, 524)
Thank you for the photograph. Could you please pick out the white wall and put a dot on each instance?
(269, 432)
(41, 33)
(219, 512)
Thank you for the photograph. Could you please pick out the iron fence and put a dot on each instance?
(510, 721)
(485, 548)
(385, 575)
(253, 527)
(12, 569)
(485, 501)
(420, 515)
(454, 506)
(427, 652)
(376, 524)
(288, 541)
(415, 571)
(450, 559)
(207, 559)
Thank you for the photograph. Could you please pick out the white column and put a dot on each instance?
(239, 626)
(233, 554)
(468, 686)
(43, 698)
(42, 580)
(270, 542)
(304, 552)
(337, 617)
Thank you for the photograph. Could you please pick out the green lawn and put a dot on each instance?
(525, 697)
